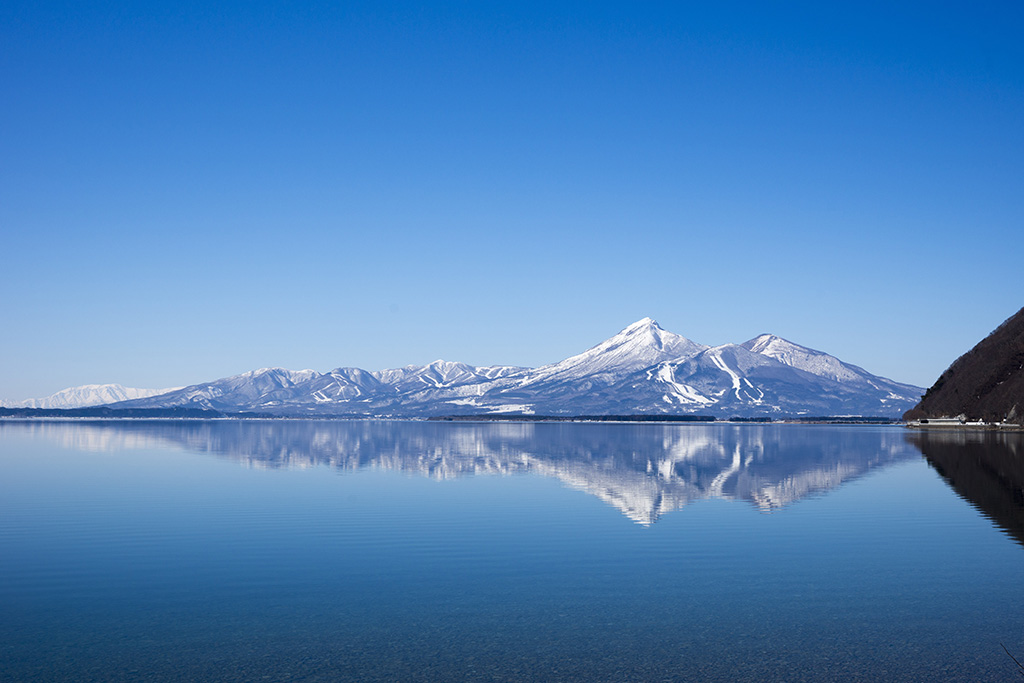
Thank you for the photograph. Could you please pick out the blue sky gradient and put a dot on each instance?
(192, 191)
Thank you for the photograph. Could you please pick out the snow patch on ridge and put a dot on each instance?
(682, 393)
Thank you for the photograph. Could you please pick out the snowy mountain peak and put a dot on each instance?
(763, 341)
(442, 364)
(647, 333)
(281, 374)
(642, 324)
(640, 345)
(803, 358)
(648, 330)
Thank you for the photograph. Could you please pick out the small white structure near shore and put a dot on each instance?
(959, 422)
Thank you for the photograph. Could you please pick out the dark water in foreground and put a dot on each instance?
(374, 551)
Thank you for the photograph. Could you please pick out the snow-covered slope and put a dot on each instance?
(589, 382)
(642, 344)
(642, 369)
(851, 377)
(731, 380)
(266, 386)
(803, 358)
(85, 396)
(441, 374)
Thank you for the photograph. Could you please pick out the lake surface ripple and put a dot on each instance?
(415, 551)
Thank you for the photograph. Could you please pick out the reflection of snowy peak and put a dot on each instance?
(644, 471)
(641, 370)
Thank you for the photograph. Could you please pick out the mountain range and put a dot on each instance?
(643, 369)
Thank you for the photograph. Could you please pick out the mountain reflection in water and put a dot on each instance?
(643, 470)
(985, 468)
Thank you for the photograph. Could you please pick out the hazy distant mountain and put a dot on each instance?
(986, 383)
(84, 396)
(642, 369)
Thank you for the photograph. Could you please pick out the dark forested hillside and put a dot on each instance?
(986, 383)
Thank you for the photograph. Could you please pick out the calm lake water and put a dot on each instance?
(405, 551)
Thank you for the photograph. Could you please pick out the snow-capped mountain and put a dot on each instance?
(591, 382)
(853, 380)
(85, 396)
(732, 379)
(441, 374)
(268, 389)
(803, 358)
(639, 346)
(643, 369)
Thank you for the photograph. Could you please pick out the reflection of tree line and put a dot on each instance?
(643, 470)
(985, 468)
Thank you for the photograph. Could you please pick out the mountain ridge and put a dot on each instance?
(643, 369)
(85, 395)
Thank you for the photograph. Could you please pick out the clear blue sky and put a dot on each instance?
(192, 191)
